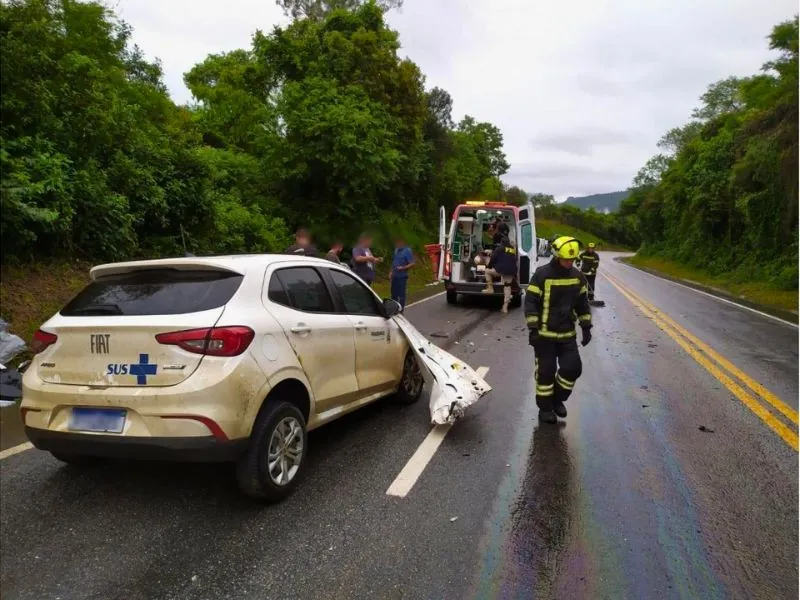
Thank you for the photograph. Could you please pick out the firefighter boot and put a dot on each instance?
(559, 409)
(548, 416)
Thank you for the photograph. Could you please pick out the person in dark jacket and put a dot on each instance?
(302, 244)
(502, 264)
(589, 261)
(556, 297)
(334, 252)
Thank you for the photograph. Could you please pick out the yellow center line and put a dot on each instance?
(786, 433)
(755, 386)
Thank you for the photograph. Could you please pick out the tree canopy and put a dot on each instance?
(319, 123)
(724, 197)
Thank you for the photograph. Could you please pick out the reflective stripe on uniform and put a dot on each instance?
(567, 385)
(532, 319)
(545, 390)
(584, 290)
(546, 305)
(556, 336)
(586, 318)
(534, 289)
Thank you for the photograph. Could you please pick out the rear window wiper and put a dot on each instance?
(99, 309)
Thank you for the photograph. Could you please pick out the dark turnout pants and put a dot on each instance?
(558, 366)
(590, 279)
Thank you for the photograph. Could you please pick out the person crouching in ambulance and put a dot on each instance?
(503, 265)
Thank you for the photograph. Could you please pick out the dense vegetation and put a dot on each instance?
(318, 124)
(723, 195)
(599, 202)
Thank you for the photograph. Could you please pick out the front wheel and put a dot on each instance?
(273, 463)
(412, 382)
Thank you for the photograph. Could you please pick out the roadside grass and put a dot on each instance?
(30, 294)
(757, 292)
(545, 228)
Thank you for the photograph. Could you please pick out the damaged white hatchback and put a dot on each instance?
(226, 359)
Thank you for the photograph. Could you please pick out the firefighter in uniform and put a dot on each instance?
(502, 264)
(556, 297)
(589, 261)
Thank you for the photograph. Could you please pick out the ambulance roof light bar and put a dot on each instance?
(482, 203)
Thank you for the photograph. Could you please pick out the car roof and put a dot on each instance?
(238, 263)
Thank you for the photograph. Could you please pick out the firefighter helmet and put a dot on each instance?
(590, 245)
(566, 247)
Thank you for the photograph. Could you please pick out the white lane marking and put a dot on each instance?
(725, 300)
(15, 450)
(424, 300)
(423, 455)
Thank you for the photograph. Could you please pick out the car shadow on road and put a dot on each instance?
(335, 449)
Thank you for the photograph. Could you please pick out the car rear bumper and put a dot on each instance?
(191, 449)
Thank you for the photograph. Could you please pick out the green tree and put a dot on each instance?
(319, 9)
(731, 181)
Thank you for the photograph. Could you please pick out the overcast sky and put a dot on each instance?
(582, 89)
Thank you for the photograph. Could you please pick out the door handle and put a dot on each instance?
(301, 328)
(360, 326)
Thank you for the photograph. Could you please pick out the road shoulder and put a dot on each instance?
(778, 313)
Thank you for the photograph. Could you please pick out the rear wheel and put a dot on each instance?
(274, 461)
(76, 460)
(452, 297)
(412, 381)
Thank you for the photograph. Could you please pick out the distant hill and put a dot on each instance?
(600, 202)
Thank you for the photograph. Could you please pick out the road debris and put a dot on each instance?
(10, 344)
(705, 429)
(454, 384)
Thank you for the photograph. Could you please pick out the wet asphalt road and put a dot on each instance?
(627, 499)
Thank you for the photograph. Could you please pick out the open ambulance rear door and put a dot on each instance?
(442, 242)
(528, 247)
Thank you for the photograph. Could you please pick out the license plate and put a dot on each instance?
(104, 420)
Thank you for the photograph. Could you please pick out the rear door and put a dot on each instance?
(379, 347)
(443, 249)
(322, 339)
(528, 247)
(106, 335)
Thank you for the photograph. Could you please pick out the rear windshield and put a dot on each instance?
(154, 292)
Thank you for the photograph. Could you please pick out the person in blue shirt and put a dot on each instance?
(402, 261)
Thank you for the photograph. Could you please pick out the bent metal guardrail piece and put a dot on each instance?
(454, 384)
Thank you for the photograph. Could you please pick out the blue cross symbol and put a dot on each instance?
(143, 369)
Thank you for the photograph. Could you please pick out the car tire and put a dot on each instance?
(412, 382)
(516, 301)
(76, 460)
(452, 298)
(278, 422)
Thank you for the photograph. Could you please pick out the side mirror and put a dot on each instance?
(391, 308)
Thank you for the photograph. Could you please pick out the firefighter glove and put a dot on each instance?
(587, 336)
(533, 336)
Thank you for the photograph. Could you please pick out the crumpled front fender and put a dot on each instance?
(454, 384)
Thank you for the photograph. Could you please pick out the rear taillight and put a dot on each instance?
(42, 340)
(214, 341)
